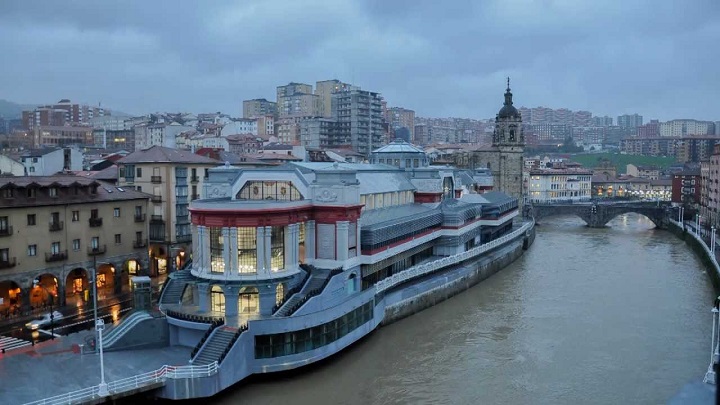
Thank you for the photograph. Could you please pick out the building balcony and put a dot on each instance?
(56, 226)
(140, 217)
(7, 231)
(6, 264)
(96, 250)
(156, 199)
(95, 222)
(140, 243)
(156, 179)
(157, 237)
(194, 179)
(183, 238)
(156, 218)
(56, 256)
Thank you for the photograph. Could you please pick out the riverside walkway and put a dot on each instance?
(56, 367)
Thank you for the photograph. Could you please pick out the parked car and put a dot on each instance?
(45, 320)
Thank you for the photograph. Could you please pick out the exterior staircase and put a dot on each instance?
(215, 346)
(175, 287)
(313, 286)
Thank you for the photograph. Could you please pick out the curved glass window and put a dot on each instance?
(277, 248)
(269, 190)
(217, 261)
(247, 250)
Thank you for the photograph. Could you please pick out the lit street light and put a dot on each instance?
(36, 283)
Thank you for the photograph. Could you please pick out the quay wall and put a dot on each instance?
(700, 248)
(472, 274)
(333, 302)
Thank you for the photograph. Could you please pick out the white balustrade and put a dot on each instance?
(130, 383)
(426, 268)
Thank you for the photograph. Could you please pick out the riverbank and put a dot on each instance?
(699, 247)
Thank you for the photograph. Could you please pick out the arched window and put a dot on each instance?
(269, 190)
(217, 299)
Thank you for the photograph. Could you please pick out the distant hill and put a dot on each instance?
(8, 109)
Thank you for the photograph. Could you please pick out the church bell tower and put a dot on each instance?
(509, 142)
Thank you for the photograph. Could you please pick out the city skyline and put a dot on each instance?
(640, 57)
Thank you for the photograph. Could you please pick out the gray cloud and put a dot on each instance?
(449, 58)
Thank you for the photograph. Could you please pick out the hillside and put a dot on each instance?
(620, 162)
(8, 109)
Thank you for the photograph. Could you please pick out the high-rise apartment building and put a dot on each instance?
(359, 118)
(259, 107)
(604, 121)
(324, 90)
(297, 100)
(317, 132)
(629, 120)
(399, 117)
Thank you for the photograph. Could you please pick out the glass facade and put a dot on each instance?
(285, 344)
(247, 250)
(217, 261)
(277, 248)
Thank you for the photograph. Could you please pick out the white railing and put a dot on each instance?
(130, 383)
(427, 268)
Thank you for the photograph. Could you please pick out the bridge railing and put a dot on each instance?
(427, 268)
(130, 383)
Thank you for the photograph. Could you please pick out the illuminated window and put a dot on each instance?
(247, 250)
(279, 294)
(277, 249)
(217, 261)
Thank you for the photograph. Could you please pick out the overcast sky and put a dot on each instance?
(441, 58)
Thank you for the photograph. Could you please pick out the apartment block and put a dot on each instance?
(399, 117)
(682, 128)
(629, 120)
(173, 177)
(324, 90)
(317, 132)
(55, 229)
(359, 118)
(62, 113)
(259, 107)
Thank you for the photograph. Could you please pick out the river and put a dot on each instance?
(605, 316)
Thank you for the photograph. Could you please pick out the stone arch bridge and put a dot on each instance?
(598, 214)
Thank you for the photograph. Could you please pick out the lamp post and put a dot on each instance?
(36, 283)
(102, 388)
(712, 239)
(697, 224)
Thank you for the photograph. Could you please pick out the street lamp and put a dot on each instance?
(36, 283)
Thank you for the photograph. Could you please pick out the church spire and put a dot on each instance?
(508, 94)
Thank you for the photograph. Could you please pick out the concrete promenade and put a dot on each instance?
(57, 367)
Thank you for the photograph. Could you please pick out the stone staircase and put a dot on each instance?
(173, 291)
(215, 346)
(318, 279)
